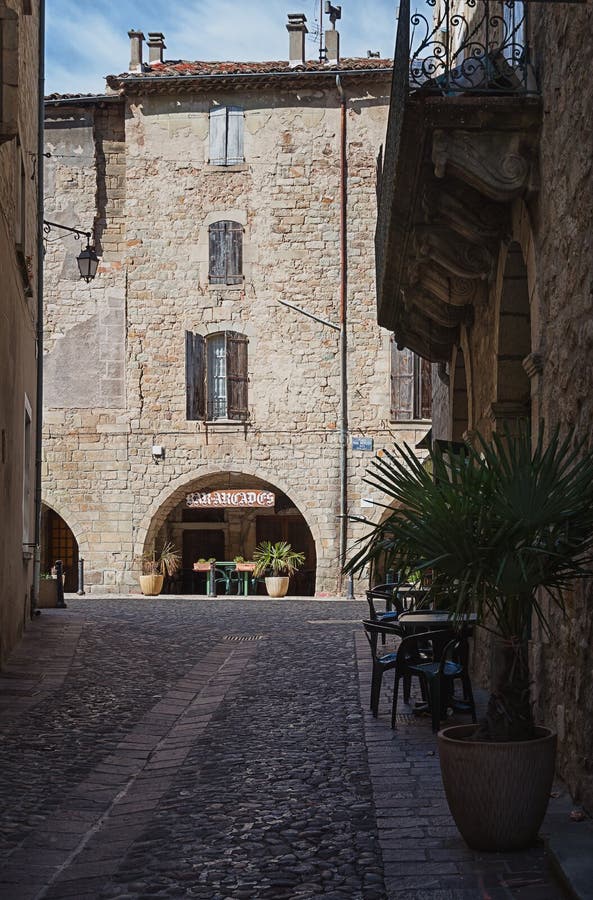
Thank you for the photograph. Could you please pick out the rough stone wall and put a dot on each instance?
(563, 248)
(555, 230)
(18, 321)
(160, 195)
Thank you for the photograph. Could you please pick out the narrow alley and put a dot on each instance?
(223, 749)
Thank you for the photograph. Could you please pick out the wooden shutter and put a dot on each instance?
(226, 253)
(195, 374)
(234, 257)
(217, 267)
(236, 348)
(402, 383)
(234, 145)
(218, 136)
(425, 392)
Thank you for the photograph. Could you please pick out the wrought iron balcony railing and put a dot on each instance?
(461, 46)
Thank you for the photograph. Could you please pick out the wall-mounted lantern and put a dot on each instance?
(87, 259)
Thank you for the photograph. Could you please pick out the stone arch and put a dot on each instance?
(71, 520)
(59, 541)
(156, 515)
(512, 404)
(460, 395)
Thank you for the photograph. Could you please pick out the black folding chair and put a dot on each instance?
(381, 662)
(449, 662)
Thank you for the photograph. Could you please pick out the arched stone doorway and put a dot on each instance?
(224, 530)
(58, 542)
(459, 397)
(512, 408)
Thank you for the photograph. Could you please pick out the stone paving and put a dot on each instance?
(222, 749)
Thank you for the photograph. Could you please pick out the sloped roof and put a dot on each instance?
(177, 73)
(180, 67)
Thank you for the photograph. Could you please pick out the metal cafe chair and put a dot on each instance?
(382, 662)
(384, 592)
(450, 655)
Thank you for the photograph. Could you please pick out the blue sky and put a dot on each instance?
(88, 39)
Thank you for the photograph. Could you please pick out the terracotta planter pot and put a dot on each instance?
(151, 585)
(245, 567)
(48, 594)
(277, 586)
(201, 567)
(497, 792)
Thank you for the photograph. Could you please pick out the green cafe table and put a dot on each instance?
(430, 619)
(223, 570)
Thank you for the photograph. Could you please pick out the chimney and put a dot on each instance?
(332, 47)
(332, 37)
(156, 45)
(297, 30)
(136, 39)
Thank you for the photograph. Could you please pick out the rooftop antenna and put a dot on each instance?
(334, 13)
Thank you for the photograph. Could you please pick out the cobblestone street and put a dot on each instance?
(223, 749)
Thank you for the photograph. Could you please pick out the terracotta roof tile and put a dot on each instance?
(180, 68)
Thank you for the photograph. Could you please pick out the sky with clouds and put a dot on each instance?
(87, 40)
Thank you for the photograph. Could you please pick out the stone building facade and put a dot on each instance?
(492, 277)
(214, 193)
(19, 71)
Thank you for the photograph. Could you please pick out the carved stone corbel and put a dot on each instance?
(452, 289)
(427, 328)
(437, 310)
(493, 162)
(467, 213)
(456, 255)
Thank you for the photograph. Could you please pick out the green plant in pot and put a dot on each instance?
(277, 562)
(506, 528)
(155, 565)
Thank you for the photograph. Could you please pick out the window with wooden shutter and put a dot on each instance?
(195, 376)
(226, 136)
(225, 253)
(217, 377)
(236, 349)
(9, 73)
(411, 385)
(402, 383)
(226, 367)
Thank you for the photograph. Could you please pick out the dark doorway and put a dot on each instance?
(58, 542)
(199, 544)
(295, 530)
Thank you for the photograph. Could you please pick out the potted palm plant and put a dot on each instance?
(157, 564)
(277, 562)
(502, 526)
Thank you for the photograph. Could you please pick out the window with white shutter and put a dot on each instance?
(226, 136)
(411, 385)
(225, 253)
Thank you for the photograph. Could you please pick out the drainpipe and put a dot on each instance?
(343, 336)
(39, 409)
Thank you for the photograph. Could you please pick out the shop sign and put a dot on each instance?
(243, 498)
